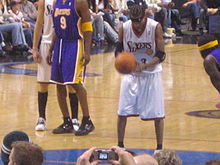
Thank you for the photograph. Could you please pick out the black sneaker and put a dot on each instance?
(85, 129)
(64, 128)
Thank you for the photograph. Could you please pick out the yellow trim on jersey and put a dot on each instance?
(79, 25)
(208, 45)
(79, 66)
(87, 26)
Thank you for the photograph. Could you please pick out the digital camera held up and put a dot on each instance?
(104, 155)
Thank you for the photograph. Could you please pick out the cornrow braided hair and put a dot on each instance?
(137, 11)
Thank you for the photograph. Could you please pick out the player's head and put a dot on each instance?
(7, 142)
(15, 6)
(137, 12)
(206, 44)
(142, 3)
(137, 16)
(167, 156)
(145, 159)
(25, 153)
(213, 162)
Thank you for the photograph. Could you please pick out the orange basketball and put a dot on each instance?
(125, 62)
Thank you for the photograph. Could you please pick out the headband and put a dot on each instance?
(208, 45)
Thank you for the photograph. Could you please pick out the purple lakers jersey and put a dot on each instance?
(216, 54)
(66, 20)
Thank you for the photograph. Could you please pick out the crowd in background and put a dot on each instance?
(17, 19)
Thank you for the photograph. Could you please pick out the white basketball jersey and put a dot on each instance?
(143, 47)
(48, 21)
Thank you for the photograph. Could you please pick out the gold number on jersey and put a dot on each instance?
(63, 22)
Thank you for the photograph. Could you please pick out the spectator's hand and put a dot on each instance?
(86, 59)
(125, 158)
(26, 24)
(212, 11)
(84, 158)
(36, 4)
(5, 22)
(107, 10)
(125, 12)
(171, 5)
(36, 55)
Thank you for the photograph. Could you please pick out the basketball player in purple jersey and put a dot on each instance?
(141, 92)
(71, 51)
(209, 48)
(44, 20)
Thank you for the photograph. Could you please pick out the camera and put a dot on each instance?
(103, 154)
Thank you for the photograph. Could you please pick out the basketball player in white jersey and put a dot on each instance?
(44, 20)
(141, 92)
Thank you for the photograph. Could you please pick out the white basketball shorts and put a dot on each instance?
(142, 95)
(44, 69)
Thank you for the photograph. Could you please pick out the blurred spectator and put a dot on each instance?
(29, 11)
(167, 157)
(101, 29)
(211, 9)
(17, 16)
(213, 162)
(195, 9)
(109, 12)
(123, 11)
(36, 4)
(153, 7)
(25, 153)
(15, 30)
(145, 159)
(7, 143)
(12, 30)
(171, 17)
(2, 44)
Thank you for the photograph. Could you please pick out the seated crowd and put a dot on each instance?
(17, 20)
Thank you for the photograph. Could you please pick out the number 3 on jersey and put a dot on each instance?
(63, 22)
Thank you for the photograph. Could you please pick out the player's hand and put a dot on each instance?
(49, 58)
(84, 158)
(36, 56)
(140, 67)
(125, 158)
(86, 59)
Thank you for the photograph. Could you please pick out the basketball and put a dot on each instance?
(125, 62)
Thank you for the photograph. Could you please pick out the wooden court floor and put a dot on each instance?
(187, 89)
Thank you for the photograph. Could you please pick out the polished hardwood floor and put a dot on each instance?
(187, 91)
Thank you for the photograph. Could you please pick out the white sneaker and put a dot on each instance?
(75, 124)
(41, 124)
